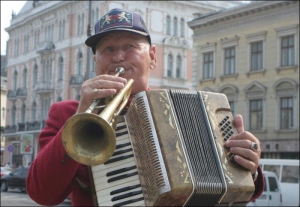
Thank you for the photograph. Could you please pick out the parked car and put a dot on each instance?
(5, 171)
(271, 195)
(15, 179)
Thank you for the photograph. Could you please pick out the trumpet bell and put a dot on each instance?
(89, 139)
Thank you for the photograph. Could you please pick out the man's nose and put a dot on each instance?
(119, 55)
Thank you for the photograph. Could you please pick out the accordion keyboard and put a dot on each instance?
(116, 181)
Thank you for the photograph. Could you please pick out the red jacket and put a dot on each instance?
(52, 175)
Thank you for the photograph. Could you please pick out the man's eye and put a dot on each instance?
(129, 46)
(108, 49)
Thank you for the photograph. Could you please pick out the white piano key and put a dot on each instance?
(104, 179)
(104, 185)
(101, 173)
(111, 203)
(106, 192)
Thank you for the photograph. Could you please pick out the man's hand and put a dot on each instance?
(99, 87)
(240, 146)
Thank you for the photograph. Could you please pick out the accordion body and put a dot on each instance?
(177, 137)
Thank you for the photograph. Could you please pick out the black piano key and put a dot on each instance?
(128, 202)
(124, 189)
(121, 133)
(121, 152)
(121, 127)
(121, 177)
(115, 172)
(123, 145)
(126, 195)
(118, 159)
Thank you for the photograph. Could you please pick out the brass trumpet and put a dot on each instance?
(90, 138)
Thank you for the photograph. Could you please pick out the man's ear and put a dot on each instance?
(153, 57)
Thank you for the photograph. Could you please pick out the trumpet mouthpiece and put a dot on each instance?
(119, 71)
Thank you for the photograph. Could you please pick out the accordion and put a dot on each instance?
(170, 152)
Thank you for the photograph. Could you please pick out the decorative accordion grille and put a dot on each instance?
(146, 151)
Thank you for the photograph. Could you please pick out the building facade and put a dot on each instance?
(251, 54)
(48, 60)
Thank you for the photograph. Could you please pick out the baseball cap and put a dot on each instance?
(118, 20)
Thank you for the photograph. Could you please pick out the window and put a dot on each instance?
(229, 61)
(231, 92)
(15, 80)
(60, 68)
(231, 104)
(182, 24)
(3, 113)
(61, 32)
(35, 74)
(286, 113)
(273, 184)
(24, 78)
(207, 65)
(256, 112)
(168, 25)
(13, 115)
(16, 47)
(256, 56)
(175, 27)
(288, 46)
(287, 51)
(33, 112)
(79, 63)
(286, 90)
(170, 65)
(23, 113)
(26, 43)
(178, 66)
(36, 38)
(255, 99)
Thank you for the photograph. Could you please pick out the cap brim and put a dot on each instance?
(93, 40)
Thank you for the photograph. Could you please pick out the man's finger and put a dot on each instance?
(238, 121)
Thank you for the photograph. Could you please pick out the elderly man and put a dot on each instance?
(121, 39)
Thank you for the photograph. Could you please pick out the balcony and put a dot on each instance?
(43, 87)
(22, 93)
(10, 129)
(76, 81)
(45, 47)
(35, 125)
(21, 127)
(12, 95)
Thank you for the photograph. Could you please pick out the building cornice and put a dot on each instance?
(227, 15)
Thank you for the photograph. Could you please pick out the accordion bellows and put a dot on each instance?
(178, 142)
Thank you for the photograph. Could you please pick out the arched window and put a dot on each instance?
(35, 74)
(79, 63)
(60, 68)
(170, 65)
(23, 113)
(13, 115)
(33, 112)
(182, 24)
(175, 27)
(178, 66)
(78, 24)
(15, 81)
(24, 77)
(168, 25)
(82, 23)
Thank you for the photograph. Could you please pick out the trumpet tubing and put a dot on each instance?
(90, 138)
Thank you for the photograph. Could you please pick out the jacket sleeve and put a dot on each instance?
(259, 184)
(51, 176)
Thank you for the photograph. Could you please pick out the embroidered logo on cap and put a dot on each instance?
(116, 18)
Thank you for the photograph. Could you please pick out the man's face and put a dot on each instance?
(130, 51)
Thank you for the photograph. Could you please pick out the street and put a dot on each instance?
(17, 198)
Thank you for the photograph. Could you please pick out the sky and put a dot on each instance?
(6, 10)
